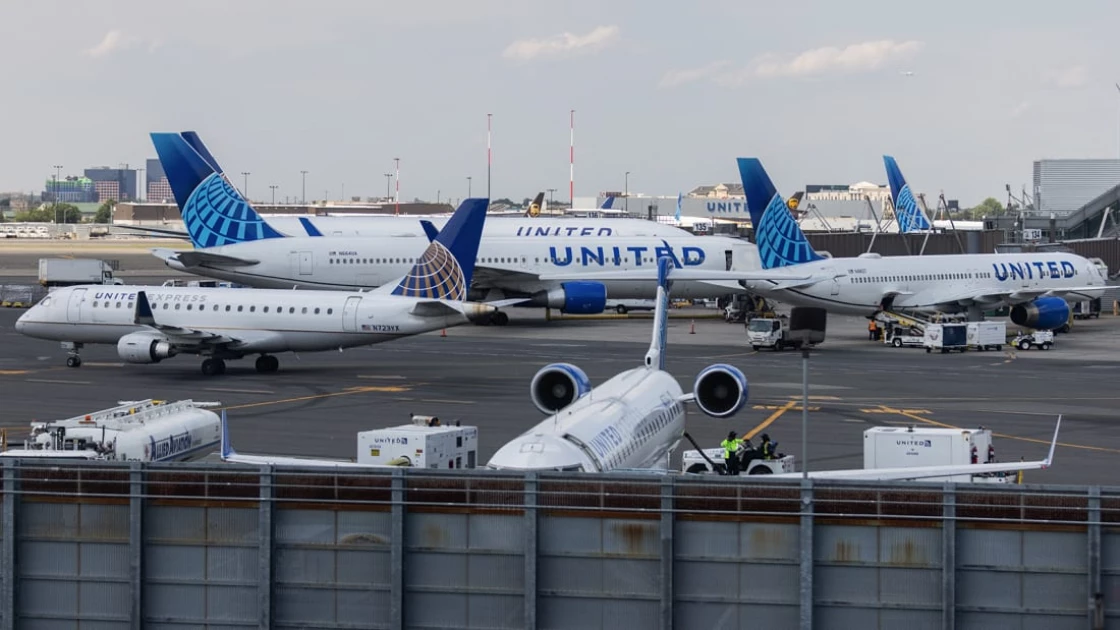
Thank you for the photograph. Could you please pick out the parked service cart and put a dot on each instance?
(422, 444)
(909, 447)
(1087, 308)
(1035, 339)
(696, 463)
(898, 335)
(946, 337)
(987, 335)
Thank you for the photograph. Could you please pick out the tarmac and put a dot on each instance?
(480, 375)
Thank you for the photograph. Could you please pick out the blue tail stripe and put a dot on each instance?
(907, 212)
(195, 143)
(780, 241)
(444, 270)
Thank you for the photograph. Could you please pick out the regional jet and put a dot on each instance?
(149, 324)
(232, 242)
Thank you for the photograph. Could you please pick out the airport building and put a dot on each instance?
(70, 189)
(156, 186)
(1064, 186)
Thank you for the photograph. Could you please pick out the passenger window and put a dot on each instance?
(304, 311)
(177, 306)
(240, 308)
(130, 305)
(330, 311)
(227, 308)
(252, 309)
(95, 303)
(189, 307)
(165, 306)
(266, 309)
(291, 310)
(316, 311)
(118, 304)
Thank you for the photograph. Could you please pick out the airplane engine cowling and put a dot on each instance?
(558, 385)
(720, 390)
(1045, 313)
(142, 347)
(577, 298)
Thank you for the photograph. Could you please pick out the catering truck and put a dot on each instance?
(910, 447)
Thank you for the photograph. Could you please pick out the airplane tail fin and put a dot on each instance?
(906, 210)
(779, 238)
(655, 356)
(608, 203)
(226, 447)
(213, 211)
(444, 270)
(535, 207)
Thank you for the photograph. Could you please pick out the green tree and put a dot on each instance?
(65, 212)
(105, 212)
(990, 207)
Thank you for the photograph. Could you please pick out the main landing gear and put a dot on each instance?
(73, 359)
(497, 318)
(266, 364)
(213, 367)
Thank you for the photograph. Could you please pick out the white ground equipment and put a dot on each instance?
(422, 444)
(910, 447)
(695, 463)
(987, 335)
(1035, 339)
(145, 430)
(946, 337)
(770, 332)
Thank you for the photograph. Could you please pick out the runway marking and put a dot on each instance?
(385, 376)
(58, 381)
(239, 391)
(796, 407)
(13, 372)
(895, 410)
(353, 390)
(102, 364)
(443, 400)
(903, 412)
(769, 420)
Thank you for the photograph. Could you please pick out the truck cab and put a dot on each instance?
(769, 332)
(710, 462)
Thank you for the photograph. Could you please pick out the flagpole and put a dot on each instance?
(488, 155)
(572, 160)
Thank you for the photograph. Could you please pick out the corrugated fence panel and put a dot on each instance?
(718, 571)
(1026, 579)
(1110, 574)
(877, 577)
(464, 571)
(200, 565)
(598, 573)
(331, 569)
(73, 565)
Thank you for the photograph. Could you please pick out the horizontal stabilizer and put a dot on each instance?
(434, 308)
(196, 258)
(170, 233)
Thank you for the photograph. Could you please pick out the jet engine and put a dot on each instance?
(144, 347)
(578, 298)
(1046, 313)
(558, 385)
(720, 390)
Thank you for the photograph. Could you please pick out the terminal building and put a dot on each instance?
(1065, 186)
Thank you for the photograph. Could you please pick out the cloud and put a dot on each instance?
(1074, 76)
(112, 42)
(1019, 109)
(862, 57)
(564, 44)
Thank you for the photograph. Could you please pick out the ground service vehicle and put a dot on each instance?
(1087, 308)
(695, 463)
(987, 335)
(422, 444)
(897, 335)
(946, 337)
(1035, 339)
(60, 272)
(911, 447)
(770, 332)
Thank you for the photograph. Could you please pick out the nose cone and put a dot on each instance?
(21, 323)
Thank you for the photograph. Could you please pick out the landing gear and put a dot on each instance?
(73, 359)
(499, 318)
(267, 364)
(213, 367)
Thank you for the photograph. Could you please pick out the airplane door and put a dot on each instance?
(350, 314)
(74, 306)
(305, 265)
(727, 259)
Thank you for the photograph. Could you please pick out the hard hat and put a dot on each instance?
(765, 437)
(730, 435)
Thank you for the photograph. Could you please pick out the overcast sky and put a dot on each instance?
(672, 92)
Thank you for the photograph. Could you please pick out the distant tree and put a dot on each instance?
(65, 212)
(505, 200)
(105, 212)
(990, 207)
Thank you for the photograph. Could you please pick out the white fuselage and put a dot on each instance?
(496, 226)
(509, 265)
(267, 320)
(934, 282)
(633, 420)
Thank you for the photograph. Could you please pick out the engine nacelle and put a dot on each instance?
(558, 385)
(1045, 313)
(720, 390)
(578, 298)
(142, 347)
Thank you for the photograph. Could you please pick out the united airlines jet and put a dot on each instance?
(232, 242)
(149, 324)
(1035, 285)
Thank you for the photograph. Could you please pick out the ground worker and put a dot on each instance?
(767, 447)
(731, 453)
(872, 330)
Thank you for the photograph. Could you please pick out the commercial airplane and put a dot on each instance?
(1035, 285)
(633, 420)
(232, 242)
(149, 324)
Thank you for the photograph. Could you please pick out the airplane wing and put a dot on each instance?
(781, 280)
(194, 340)
(196, 258)
(925, 472)
(1009, 296)
(172, 233)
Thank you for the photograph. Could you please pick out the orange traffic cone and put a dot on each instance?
(692, 328)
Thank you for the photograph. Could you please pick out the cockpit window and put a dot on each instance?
(46, 301)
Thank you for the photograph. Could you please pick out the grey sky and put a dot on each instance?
(672, 92)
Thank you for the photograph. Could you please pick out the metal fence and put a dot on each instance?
(158, 546)
(21, 295)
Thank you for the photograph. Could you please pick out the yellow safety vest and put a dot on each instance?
(729, 448)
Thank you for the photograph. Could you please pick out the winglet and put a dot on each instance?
(309, 227)
(143, 316)
(655, 356)
(1053, 443)
(906, 211)
(227, 447)
(444, 270)
(429, 229)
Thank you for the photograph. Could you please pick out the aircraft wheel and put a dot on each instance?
(74, 361)
(213, 367)
(499, 318)
(267, 364)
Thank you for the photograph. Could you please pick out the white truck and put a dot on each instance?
(770, 332)
(423, 444)
(60, 272)
(987, 335)
(909, 447)
(698, 464)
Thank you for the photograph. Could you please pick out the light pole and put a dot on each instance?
(57, 176)
(488, 160)
(245, 190)
(273, 187)
(626, 191)
(468, 186)
(550, 191)
(303, 195)
(388, 185)
(140, 186)
(397, 163)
